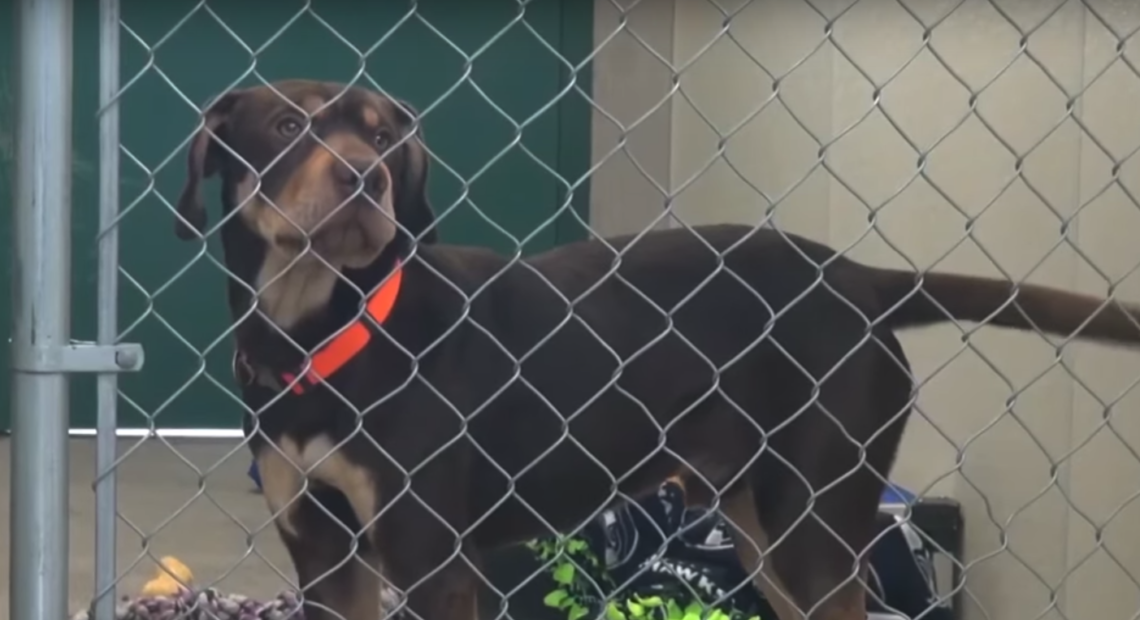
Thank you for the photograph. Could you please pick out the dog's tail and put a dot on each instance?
(914, 301)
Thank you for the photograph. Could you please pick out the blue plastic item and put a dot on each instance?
(254, 475)
(895, 494)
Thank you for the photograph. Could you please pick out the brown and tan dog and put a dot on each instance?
(458, 401)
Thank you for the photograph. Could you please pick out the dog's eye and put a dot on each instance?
(289, 127)
(383, 140)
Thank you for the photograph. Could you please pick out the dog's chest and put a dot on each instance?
(286, 466)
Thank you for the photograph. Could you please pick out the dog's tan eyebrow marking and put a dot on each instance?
(370, 117)
(311, 104)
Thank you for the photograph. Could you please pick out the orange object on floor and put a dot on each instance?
(170, 578)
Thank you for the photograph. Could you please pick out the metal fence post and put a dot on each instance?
(107, 385)
(42, 310)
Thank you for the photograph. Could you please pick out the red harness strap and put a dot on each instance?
(352, 340)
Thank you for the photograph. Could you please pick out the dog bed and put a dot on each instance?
(207, 604)
(171, 595)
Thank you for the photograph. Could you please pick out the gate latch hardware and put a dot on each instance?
(81, 357)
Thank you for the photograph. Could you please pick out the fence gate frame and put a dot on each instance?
(41, 230)
(43, 354)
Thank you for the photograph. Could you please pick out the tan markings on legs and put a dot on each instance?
(351, 591)
(281, 482)
(751, 541)
(283, 470)
(358, 598)
(327, 464)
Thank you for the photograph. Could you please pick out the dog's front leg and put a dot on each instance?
(422, 555)
(448, 593)
(337, 570)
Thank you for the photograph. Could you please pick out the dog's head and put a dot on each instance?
(313, 170)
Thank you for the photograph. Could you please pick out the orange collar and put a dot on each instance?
(351, 340)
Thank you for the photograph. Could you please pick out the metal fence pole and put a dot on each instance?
(42, 310)
(108, 310)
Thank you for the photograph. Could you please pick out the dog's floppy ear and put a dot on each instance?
(413, 209)
(202, 163)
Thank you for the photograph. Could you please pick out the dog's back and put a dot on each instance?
(673, 342)
(717, 337)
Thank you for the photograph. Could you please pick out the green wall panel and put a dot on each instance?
(177, 311)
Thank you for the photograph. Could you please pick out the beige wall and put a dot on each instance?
(1031, 527)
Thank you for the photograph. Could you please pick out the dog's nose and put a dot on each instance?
(357, 172)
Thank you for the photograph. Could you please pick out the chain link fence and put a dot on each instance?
(979, 136)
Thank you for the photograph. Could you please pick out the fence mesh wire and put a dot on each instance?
(970, 135)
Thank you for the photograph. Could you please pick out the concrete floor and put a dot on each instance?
(166, 508)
